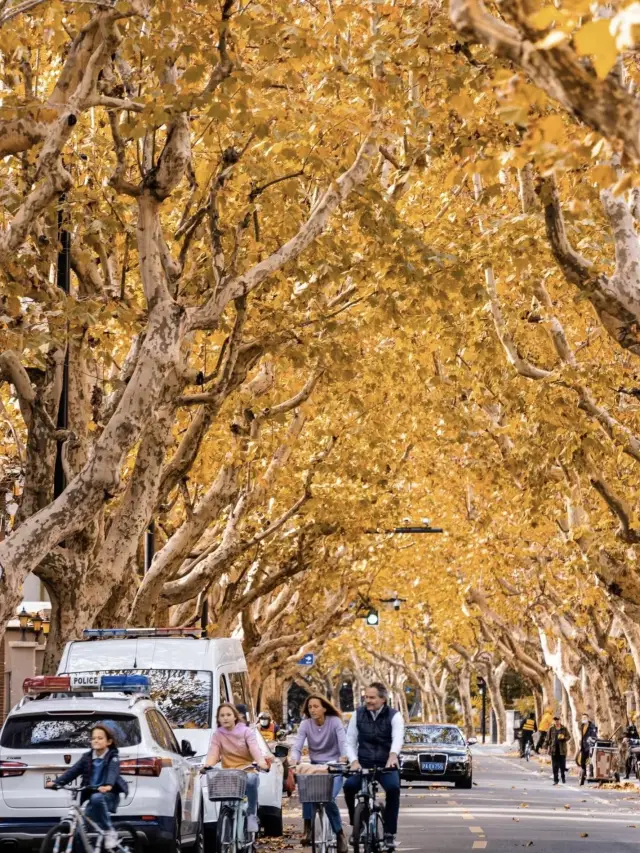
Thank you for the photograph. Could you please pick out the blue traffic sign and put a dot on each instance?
(308, 660)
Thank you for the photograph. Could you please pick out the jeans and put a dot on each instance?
(559, 764)
(100, 808)
(332, 810)
(390, 783)
(253, 782)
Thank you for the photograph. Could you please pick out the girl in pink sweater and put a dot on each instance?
(235, 746)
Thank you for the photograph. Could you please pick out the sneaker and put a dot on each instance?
(555, 783)
(564, 781)
(110, 839)
(390, 841)
(252, 823)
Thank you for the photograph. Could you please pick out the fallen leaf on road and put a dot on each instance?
(584, 835)
(528, 844)
(524, 806)
(631, 826)
(516, 819)
(567, 806)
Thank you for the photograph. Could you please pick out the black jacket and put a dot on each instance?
(588, 733)
(110, 774)
(374, 736)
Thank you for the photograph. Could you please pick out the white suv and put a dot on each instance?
(49, 730)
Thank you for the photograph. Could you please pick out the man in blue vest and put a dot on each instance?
(374, 739)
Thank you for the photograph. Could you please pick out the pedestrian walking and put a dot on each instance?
(546, 722)
(559, 737)
(588, 736)
(325, 735)
(528, 728)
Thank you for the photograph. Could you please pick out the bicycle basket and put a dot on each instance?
(315, 789)
(226, 784)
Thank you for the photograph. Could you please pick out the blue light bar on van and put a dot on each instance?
(124, 683)
(127, 633)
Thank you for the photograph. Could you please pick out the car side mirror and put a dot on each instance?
(472, 740)
(186, 750)
(281, 751)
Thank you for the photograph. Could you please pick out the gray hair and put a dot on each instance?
(383, 693)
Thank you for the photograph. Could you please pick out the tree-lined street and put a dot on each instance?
(512, 807)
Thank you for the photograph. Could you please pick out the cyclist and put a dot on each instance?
(528, 728)
(235, 745)
(267, 727)
(374, 739)
(324, 733)
(99, 768)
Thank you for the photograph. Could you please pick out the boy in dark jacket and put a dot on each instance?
(99, 768)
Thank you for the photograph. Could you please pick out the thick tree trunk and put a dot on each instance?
(463, 679)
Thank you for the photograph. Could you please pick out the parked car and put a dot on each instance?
(436, 753)
(47, 732)
(189, 677)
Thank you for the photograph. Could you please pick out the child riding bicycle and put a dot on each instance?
(99, 768)
(235, 745)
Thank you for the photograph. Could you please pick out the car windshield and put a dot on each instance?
(183, 695)
(66, 731)
(434, 734)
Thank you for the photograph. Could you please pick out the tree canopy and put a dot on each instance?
(334, 267)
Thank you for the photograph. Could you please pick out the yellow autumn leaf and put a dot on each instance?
(595, 40)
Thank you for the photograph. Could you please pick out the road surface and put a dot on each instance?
(512, 806)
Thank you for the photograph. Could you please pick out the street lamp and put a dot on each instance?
(46, 626)
(372, 617)
(37, 624)
(23, 618)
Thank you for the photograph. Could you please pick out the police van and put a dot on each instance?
(189, 677)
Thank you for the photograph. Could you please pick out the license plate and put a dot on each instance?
(49, 777)
(432, 766)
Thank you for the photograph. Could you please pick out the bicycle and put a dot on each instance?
(368, 823)
(317, 790)
(78, 827)
(228, 787)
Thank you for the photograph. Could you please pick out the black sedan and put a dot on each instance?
(436, 753)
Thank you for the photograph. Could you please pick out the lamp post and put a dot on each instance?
(483, 692)
(23, 618)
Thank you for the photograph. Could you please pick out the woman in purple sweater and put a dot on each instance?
(326, 738)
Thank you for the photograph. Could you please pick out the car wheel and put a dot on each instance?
(210, 837)
(467, 782)
(271, 824)
(198, 843)
(175, 845)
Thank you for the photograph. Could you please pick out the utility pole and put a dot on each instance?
(63, 280)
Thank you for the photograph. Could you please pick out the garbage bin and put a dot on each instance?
(605, 762)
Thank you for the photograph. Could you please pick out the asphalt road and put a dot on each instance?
(512, 806)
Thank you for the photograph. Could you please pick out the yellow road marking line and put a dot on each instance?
(479, 845)
(476, 829)
(467, 816)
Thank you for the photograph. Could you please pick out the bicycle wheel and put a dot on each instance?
(56, 840)
(128, 839)
(320, 830)
(377, 832)
(361, 837)
(226, 840)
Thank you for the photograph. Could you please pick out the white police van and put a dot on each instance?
(48, 731)
(189, 677)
